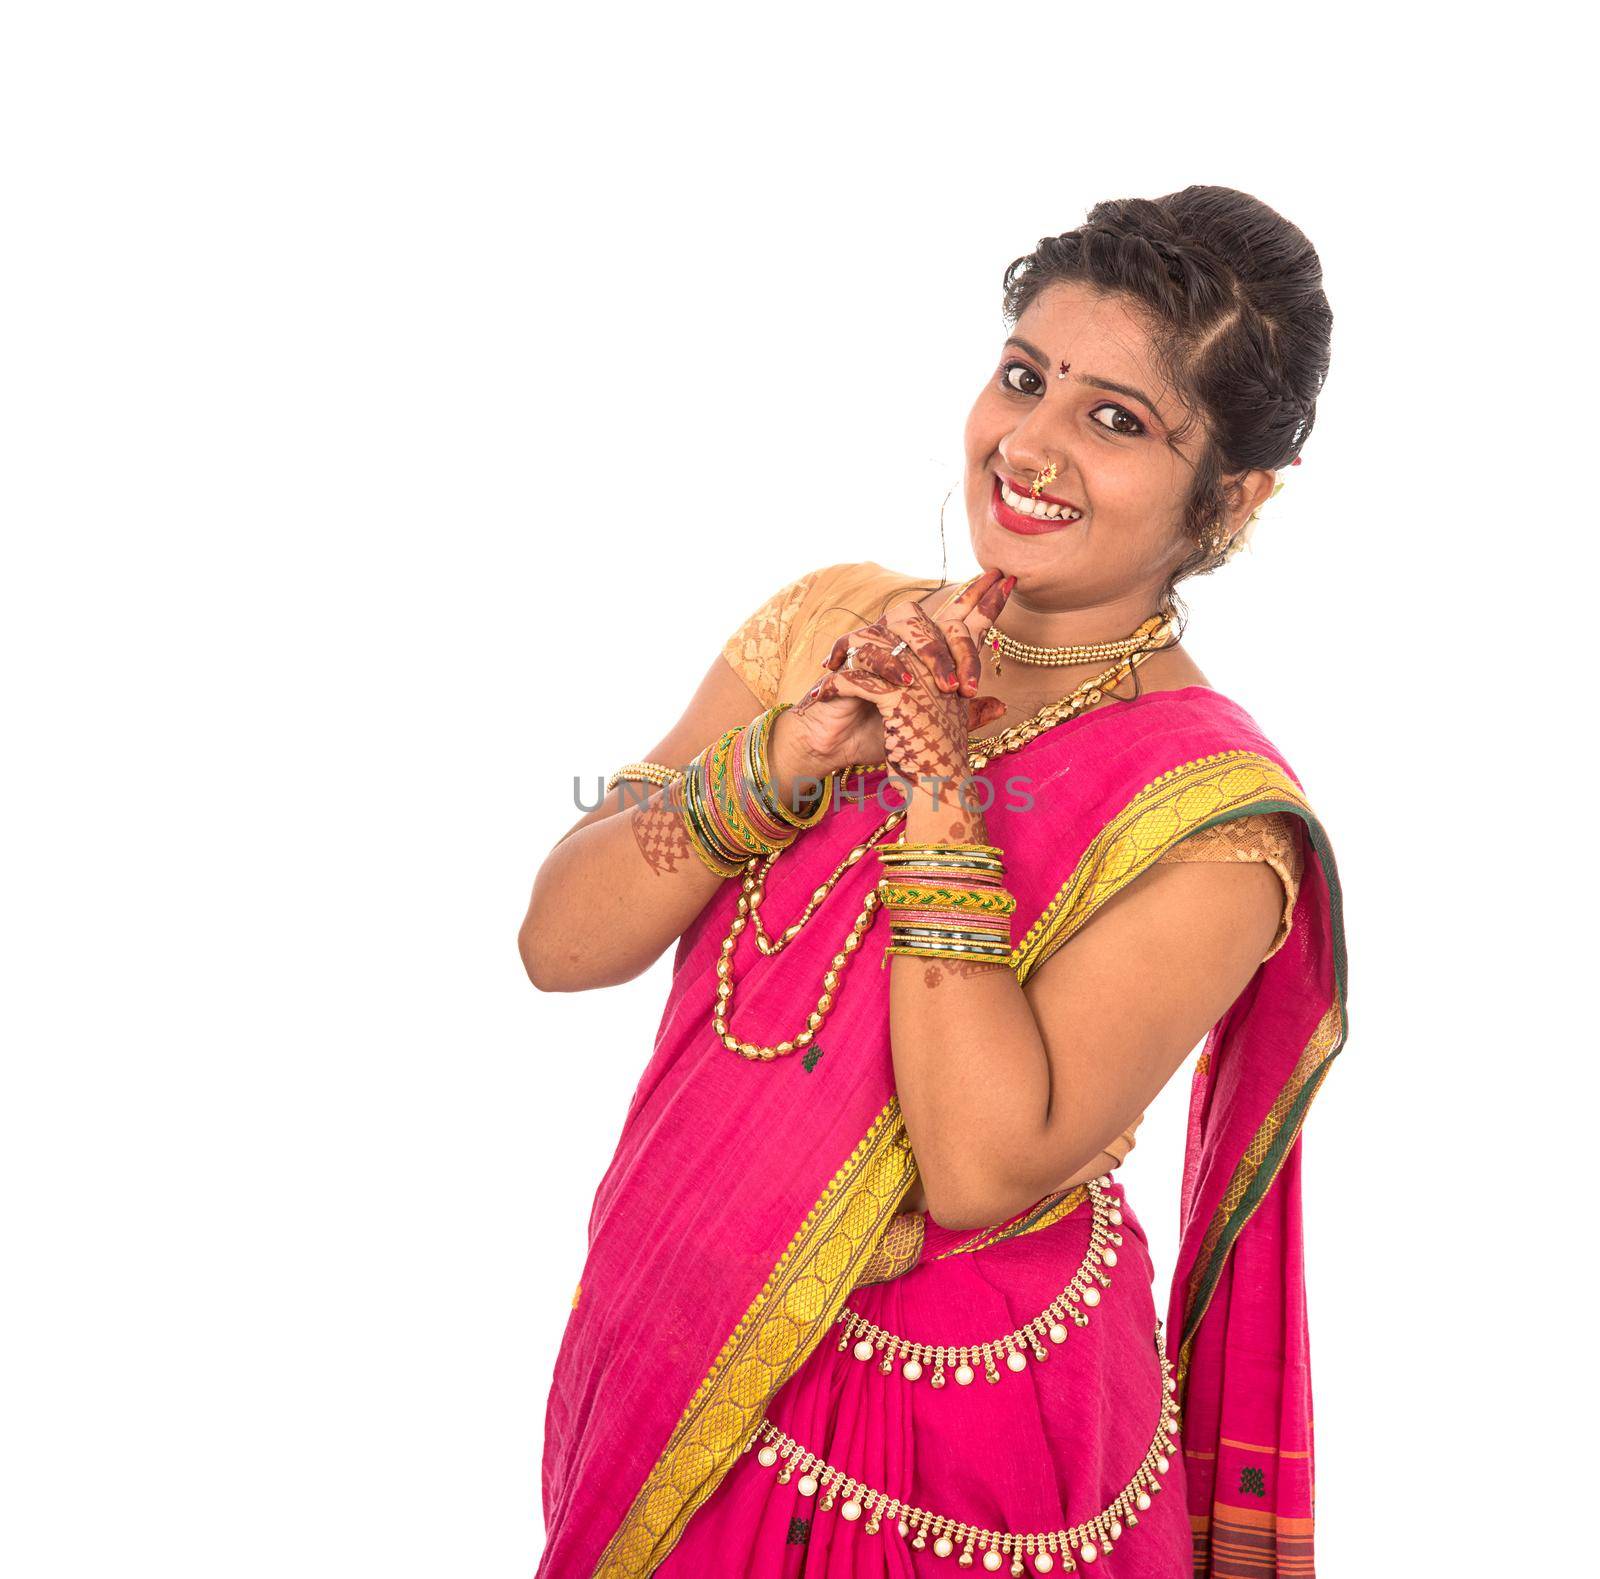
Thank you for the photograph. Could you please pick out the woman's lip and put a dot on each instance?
(1026, 489)
(1024, 525)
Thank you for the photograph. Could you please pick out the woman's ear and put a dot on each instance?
(1246, 492)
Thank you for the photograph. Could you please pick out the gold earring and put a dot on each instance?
(1218, 541)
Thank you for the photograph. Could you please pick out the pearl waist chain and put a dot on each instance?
(1084, 1543)
(1011, 1351)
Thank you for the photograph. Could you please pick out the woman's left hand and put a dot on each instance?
(926, 722)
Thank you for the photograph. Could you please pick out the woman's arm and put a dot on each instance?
(622, 883)
(1008, 1091)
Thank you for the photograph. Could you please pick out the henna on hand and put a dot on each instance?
(960, 969)
(927, 720)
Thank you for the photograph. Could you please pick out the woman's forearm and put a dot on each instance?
(970, 1066)
(613, 894)
(623, 884)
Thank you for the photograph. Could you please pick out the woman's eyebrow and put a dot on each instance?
(1031, 349)
(1125, 389)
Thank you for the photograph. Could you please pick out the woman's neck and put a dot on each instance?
(1025, 688)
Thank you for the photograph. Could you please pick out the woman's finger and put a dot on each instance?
(886, 665)
(858, 684)
(967, 597)
(910, 622)
(867, 635)
(983, 711)
(992, 601)
(978, 604)
(965, 652)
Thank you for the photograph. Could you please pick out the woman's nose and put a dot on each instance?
(1026, 452)
(1032, 445)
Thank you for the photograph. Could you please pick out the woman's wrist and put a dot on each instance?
(945, 808)
(794, 773)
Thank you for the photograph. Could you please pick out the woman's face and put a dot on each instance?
(1106, 528)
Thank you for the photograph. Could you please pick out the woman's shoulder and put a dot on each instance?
(866, 583)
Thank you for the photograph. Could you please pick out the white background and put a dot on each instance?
(402, 403)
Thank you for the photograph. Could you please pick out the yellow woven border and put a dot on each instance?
(898, 1252)
(784, 1323)
(1048, 1217)
(1165, 811)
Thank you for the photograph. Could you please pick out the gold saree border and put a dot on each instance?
(1182, 801)
(898, 1252)
(784, 1323)
(901, 1248)
(1044, 1213)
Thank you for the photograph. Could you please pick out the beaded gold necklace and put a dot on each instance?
(1155, 633)
(1002, 646)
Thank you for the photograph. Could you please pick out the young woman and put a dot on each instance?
(958, 877)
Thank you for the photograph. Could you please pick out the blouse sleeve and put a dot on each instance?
(1272, 837)
(759, 649)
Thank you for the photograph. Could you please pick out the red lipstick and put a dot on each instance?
(1028, 525)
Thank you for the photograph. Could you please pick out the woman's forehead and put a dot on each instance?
(1070, 320)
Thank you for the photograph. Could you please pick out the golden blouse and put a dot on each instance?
(779, 650)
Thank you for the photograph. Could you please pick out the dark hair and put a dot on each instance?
(1231, 294)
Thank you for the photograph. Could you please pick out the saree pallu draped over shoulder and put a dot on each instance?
(747, 1199)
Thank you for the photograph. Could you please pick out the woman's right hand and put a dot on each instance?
(830, 730)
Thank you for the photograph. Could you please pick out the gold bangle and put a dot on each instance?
(644, 773)
(811, 818)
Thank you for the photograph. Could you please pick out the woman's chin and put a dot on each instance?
(1015, 554)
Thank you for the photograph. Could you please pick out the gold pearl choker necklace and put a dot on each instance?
(912, 1358)
(1002, 646)
(1084, 1543)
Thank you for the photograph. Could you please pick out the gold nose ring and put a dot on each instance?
(1044, 479)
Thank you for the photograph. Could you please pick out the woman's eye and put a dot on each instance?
(1136, 427)
(1022, 378)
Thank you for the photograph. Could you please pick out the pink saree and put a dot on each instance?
(709, 1413)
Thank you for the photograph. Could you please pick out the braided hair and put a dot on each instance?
(1231, 294)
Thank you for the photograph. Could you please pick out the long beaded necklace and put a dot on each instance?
(1156, 632)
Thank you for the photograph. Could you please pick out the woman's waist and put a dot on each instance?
(1092, 1215)
(917, 1198)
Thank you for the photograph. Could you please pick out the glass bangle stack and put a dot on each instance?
(947, 901)
(731, 810)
